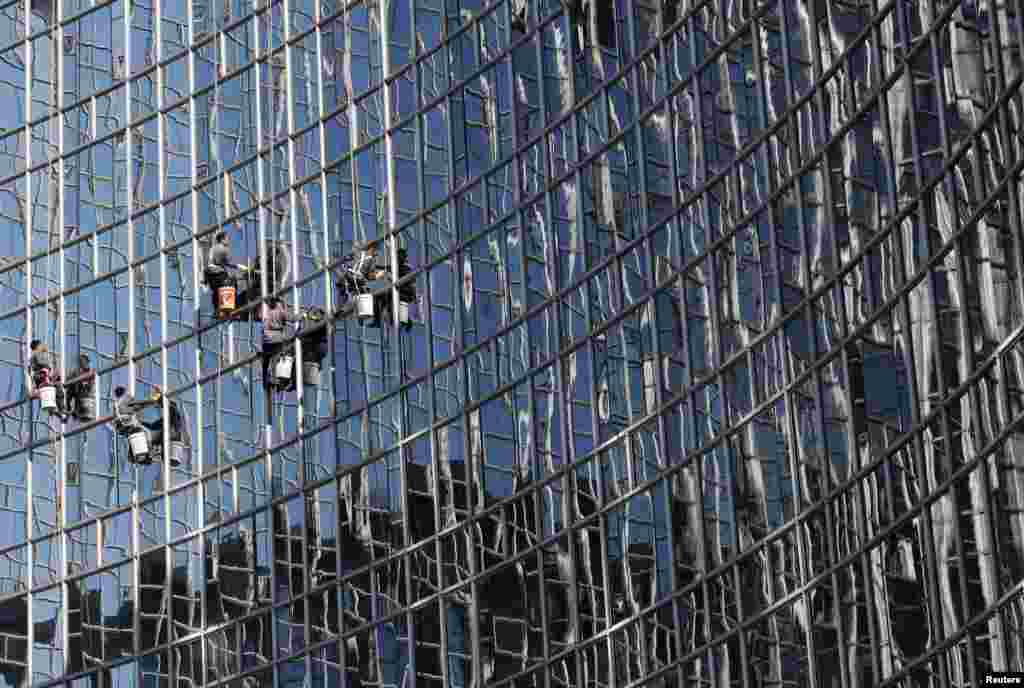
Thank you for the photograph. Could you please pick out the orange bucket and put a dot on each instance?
(226, 300)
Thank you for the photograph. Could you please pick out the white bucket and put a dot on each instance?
(364, 305)
(139, 444)
(311, 374)
(48, 398)
(283, 368)
(403, 312)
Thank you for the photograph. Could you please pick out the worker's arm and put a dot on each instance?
(135, 405)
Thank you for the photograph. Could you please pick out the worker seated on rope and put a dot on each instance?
(180, 440)
(44, 369)
(278, 359)
(314, 345)
(357, 273)
(365, 266)
(127, 424)
(80, 390)
(222, 275)
(406, 291)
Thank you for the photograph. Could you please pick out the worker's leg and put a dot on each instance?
(156, 439)
(270, 352)
(83, 407)
(380, 307)
(289, 385)
(407, 295)
(266, 356)
(63, 403)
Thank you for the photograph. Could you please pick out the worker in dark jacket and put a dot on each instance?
(363, 269)
(364, 265)
(126, 419)
(81, 388)
(220, 271)
(314, 337)
(406, 291)
(276, 317)
(177, 424)
(219, 268)
(41, 358)
(44, 369)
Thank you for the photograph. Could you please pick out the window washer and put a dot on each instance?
(44, 369)
(276, 316)
(222, 276)
(80, 390)
(127, 424)
(314, 346)
(365, 265)
(180, 438)
(406, 290)
(358, 273)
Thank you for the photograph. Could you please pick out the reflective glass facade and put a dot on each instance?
(713, 376)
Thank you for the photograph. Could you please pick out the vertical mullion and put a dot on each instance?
(697, 393)
(194, 198)
(436, 458)
(535, 494)
(129, 161)
(554, 304)
(168, 591)
(28, 215)
(290, 45)
(57, 62)
(510, 85)
(392, 224)
(538, 501)
(263, 69)
(454, 215)
(687, 404)
(321, 112)
(580, 149)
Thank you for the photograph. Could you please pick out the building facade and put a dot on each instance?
(714, 374)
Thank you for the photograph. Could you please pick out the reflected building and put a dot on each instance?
(713, 370)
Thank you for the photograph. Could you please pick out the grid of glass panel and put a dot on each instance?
(714, 374)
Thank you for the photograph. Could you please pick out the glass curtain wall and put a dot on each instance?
(700, 358)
